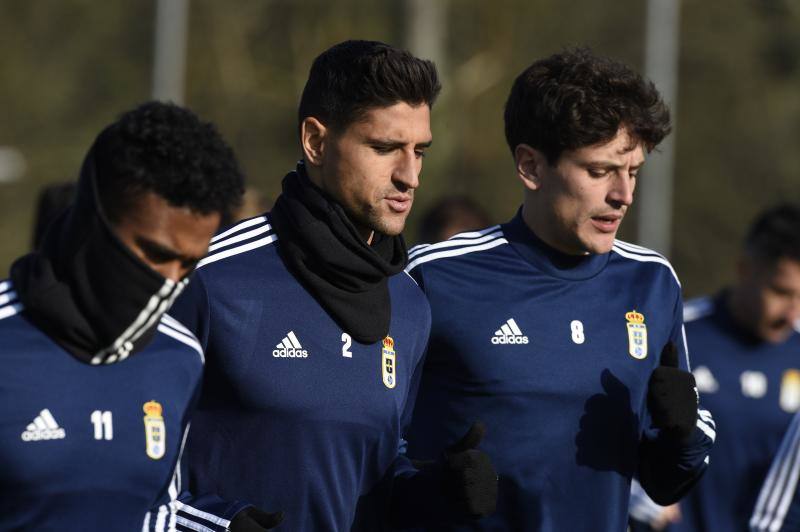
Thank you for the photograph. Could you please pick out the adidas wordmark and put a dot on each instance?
(289, 347)
(44, 427)
(509, 333)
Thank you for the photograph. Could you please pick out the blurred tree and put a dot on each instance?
(71, 67)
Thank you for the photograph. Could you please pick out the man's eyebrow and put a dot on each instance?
(612, 164)
(393, 143)
(163, 251)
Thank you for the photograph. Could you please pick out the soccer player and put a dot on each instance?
(745, 349)
(566, 342)
(98, 381)
(313, 332)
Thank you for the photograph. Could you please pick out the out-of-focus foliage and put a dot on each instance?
(70, 67)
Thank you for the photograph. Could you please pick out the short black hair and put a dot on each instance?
(166, 149)
(775, 234)
(574, 99)
(353, 77)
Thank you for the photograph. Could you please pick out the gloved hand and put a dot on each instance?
(251, 519)
(672, 397)
(469, 480)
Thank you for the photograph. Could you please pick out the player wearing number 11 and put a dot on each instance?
(566, 342)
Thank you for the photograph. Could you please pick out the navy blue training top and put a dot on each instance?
(295, 415)
(753, 388)
(554, 354)
(97, 448)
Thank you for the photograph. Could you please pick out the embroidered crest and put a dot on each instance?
(389, 363)
(637, 335)
(155, 432)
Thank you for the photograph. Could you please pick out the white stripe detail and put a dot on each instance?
(241, 236)
(452, 242)
(40, 424)
(146, 523)
(456, 252)
(473, 234)
(637, 249)
(235, 251)
(646, 258)
(506, 330)
(179, 336)
(708, 431)
(10, 310)
(155, 307)
(781, 481)
(193, 525)
(514, 327)
(285, 344)
(238, 227)
(5, 286)
(178, 326)
(705, 415)
(48, 419)
(686, 348)
(202, 515)
(11, 295)
(292, 338)
(411, 277)
(161, 519)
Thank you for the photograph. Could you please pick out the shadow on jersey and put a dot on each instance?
(607, 437)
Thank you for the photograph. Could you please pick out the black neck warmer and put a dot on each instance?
(323, 249)
(85, 289)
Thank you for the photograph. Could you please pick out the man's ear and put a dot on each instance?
(313, 135)
(530, 164)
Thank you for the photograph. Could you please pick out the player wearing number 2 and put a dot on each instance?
(314, 334)
(567, 343)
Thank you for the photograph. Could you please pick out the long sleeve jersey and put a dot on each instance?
(553, 353)
(97, 448)
(295, 415)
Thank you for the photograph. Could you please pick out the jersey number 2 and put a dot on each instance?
(346, 347)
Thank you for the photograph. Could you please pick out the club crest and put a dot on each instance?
(637, 335)
(155, 432)
(389, 363)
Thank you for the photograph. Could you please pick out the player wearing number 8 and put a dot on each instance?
(587, 402)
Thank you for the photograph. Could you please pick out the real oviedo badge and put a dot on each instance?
(155, 433)
(637, 335)
(389, 363)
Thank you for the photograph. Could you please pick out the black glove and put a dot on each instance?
(470, 481)
(672, 397)
(251, 519)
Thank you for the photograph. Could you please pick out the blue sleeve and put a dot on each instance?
(176, 505)
(667, 469)
(778, 505)
(192, 309)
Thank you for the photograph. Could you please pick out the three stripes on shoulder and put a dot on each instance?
(242, 237)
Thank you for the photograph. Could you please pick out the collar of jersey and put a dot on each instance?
(549, 260)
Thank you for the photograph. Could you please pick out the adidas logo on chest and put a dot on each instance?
(289, 347)
(44, 427)
(509, 333)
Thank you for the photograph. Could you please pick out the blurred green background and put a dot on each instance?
(70, 67)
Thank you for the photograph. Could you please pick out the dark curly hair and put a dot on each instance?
(574, 99)
(352, 77)
(775, 234)
(167, 149)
